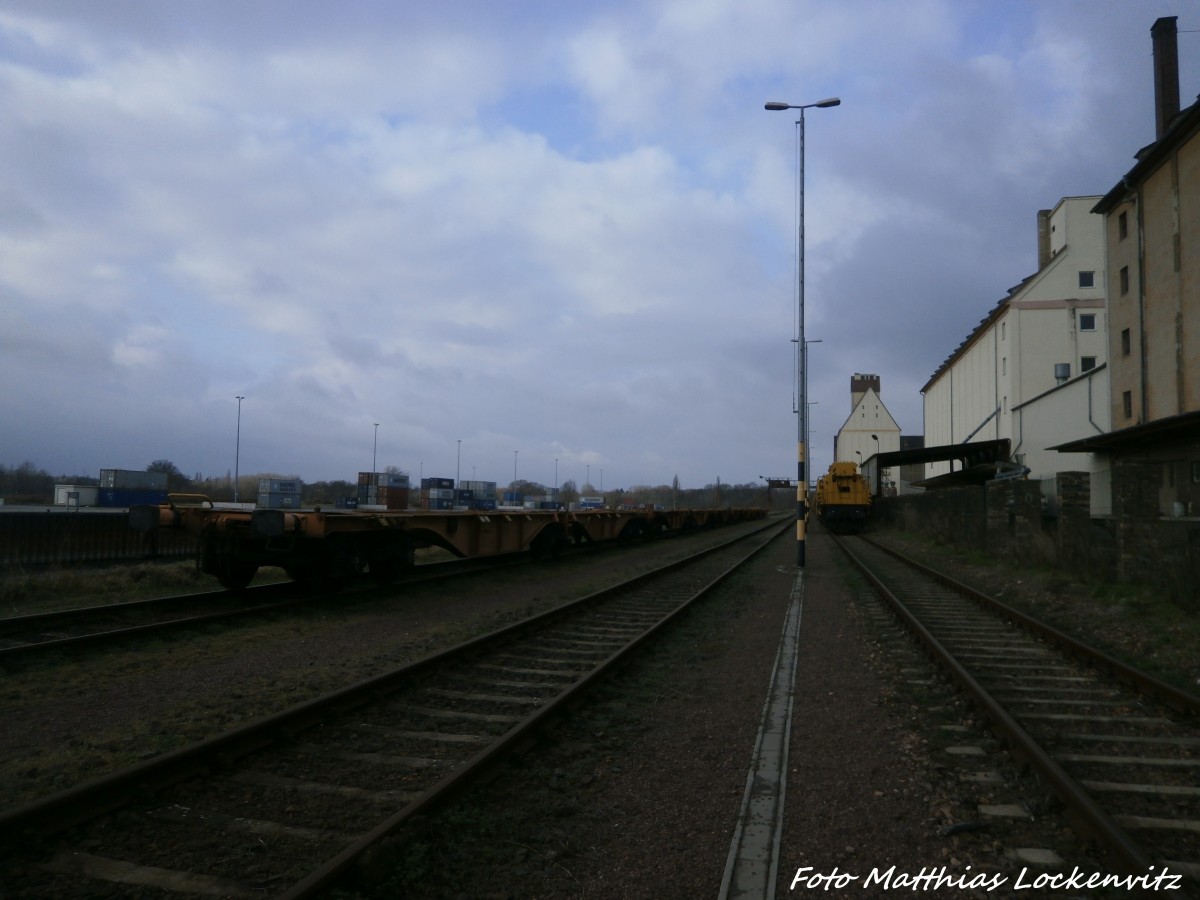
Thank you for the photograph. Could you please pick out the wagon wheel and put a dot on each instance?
(235, 575)
(217, 559)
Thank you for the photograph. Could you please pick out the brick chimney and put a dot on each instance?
(1164, 34)
(1043, 237)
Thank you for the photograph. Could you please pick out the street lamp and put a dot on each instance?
(374, 450)
(801, 349)
(458, 465)
(237, 450)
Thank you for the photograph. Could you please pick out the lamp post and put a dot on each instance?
(807, 416)
(458, 464)
(375, 450)
(237, 450)
(801, 350)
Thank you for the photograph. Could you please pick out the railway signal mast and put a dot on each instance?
(801, 349)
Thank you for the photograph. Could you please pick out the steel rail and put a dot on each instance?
(43, 818)
(1167, 694)
(442, 792)
(1081, 808)
(14, 625)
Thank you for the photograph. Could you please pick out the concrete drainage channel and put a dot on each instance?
(753, 864)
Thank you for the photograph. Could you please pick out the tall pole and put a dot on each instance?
(801, 350)
(458, 464)
(807, 411)
(237, 450)
(515, 452)
(375, 450)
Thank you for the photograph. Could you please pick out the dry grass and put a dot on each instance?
(1136, 623)
(23, 592)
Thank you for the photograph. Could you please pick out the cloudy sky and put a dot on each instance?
(546, 230)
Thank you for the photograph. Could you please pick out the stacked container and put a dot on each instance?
(131, 487)
(437, 493)
(279, 493)
(477, 494)
(386, 489)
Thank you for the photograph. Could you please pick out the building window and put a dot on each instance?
(1122, 226)
(1087, 279)
(1003, 330)
(1004, 365)
(1086, 363)
(1126, 344)
(1127, 404)
(1087, 321)
(1124, 279)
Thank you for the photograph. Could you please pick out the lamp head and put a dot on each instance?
(776, 105)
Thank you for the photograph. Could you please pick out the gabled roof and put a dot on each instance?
(870, 392)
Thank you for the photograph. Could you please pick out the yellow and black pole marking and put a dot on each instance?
(801, 503)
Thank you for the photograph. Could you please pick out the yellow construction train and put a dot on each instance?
(843, 499)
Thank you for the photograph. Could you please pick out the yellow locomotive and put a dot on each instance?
(843, 499)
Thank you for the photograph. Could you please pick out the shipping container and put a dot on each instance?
(383, 479)
(128, 497)
(477, 486)
(389, 497)
(346, 503)
(133, 480)
(278, 500)
(84, 495)
(279, 486)
(437, 483)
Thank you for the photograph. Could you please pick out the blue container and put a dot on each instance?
(119, 497)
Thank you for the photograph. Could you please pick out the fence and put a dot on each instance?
(1012, 518)
(49, 537)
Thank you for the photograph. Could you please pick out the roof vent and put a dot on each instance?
(1062, 372)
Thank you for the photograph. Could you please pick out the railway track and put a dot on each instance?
(35, 636)
(1119, 748)
(285, 806)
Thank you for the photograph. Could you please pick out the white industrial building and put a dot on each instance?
(1032, 371)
